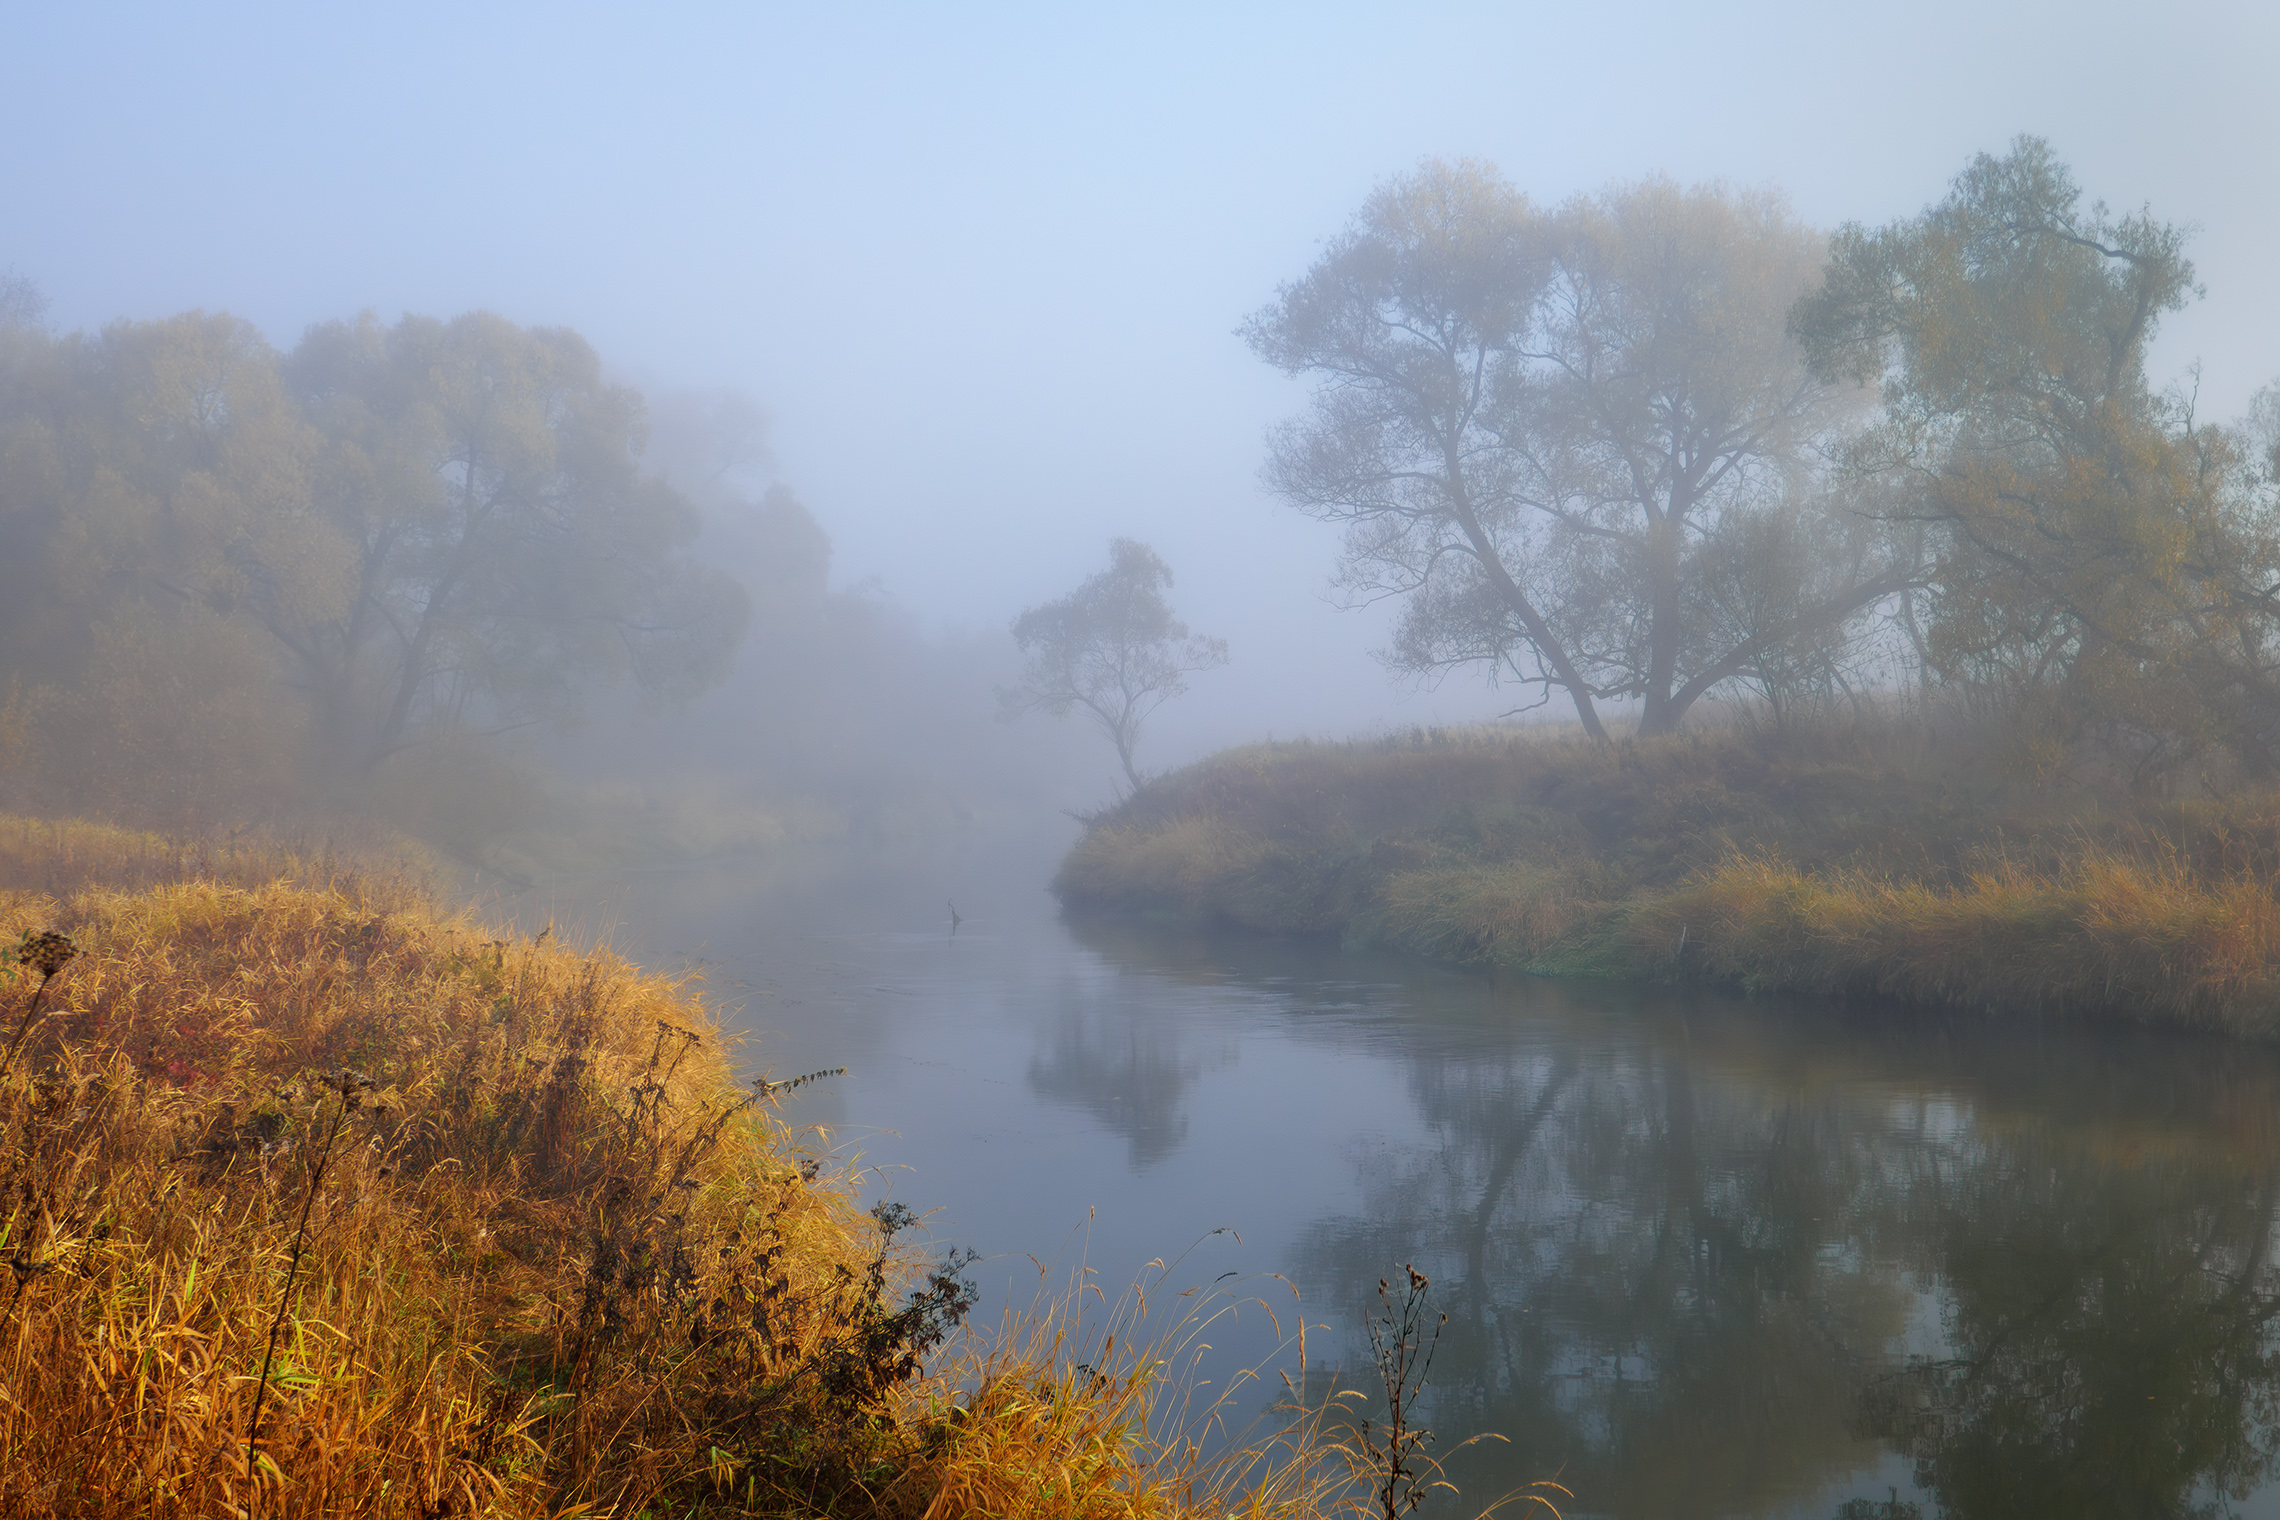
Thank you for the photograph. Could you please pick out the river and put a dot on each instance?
(1700, 1254)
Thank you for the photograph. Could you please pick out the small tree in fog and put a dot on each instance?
(1111, 649)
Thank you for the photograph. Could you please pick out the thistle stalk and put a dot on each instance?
(46, 951)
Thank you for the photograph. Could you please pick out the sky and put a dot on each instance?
(983, 264)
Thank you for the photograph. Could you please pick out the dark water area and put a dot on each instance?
(1701, 1255)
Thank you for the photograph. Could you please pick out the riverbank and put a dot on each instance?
(321, 1201)
(1879, 860)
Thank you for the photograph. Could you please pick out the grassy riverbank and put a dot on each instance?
(319, 1202)
(1880, 859)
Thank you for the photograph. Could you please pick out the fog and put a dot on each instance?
(628, 451)
(981, 267)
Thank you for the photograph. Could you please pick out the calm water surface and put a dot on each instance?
(1700, 1255)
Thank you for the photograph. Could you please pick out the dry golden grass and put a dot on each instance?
(1185, 859)
(1114, 1423)
(509, 1238)
(2148, 940)
(61, 857)
(1512, 909)
(503, 1235)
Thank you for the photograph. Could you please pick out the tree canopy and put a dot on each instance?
(2101, 557)
(1579, 444)
(301, 564)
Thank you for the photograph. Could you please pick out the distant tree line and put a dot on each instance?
(231, 577)
(1659, 443)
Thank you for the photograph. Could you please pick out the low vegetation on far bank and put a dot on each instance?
(316, 1203)
(1891, 857)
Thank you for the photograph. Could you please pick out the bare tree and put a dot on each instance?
(1111, 649)
(1534, 425)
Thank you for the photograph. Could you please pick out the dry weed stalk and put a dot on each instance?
(1392, 1463)
(350, 1087)
(47, 952)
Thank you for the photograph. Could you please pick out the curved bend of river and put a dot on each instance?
(1700, 1255)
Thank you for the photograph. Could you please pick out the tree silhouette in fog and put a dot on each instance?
(230, 575)
(1579, 444)
(1111, 650)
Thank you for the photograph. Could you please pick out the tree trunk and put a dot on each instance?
(1659, 714)
(1564, 673)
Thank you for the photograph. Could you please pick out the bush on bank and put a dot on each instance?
(1874, 859)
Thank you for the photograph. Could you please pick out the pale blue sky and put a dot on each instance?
(982, 263)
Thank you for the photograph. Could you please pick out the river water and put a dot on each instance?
(1700, 1255)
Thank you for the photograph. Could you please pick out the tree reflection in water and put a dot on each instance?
(1132, 1075)
(1132, 1079)
(1721, 1260)
(2110, 1333)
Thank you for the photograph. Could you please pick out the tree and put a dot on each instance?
(135, 465)
(503, 546)
(1538, 428)
(2101, 559)
(214, 554)
(22, 304)
(1110, 648)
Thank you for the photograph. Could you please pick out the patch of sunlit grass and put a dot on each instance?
(59, 857)
(1112, 1415)
(496, 1299)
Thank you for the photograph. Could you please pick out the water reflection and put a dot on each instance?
(2109, 1329)
(1706, 1258)
(1132, 1078)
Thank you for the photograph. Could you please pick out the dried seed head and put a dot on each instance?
(47, 951)
(350, 1084)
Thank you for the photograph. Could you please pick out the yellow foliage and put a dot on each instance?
(172, 721)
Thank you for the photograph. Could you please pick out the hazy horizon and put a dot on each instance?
(983, 271)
